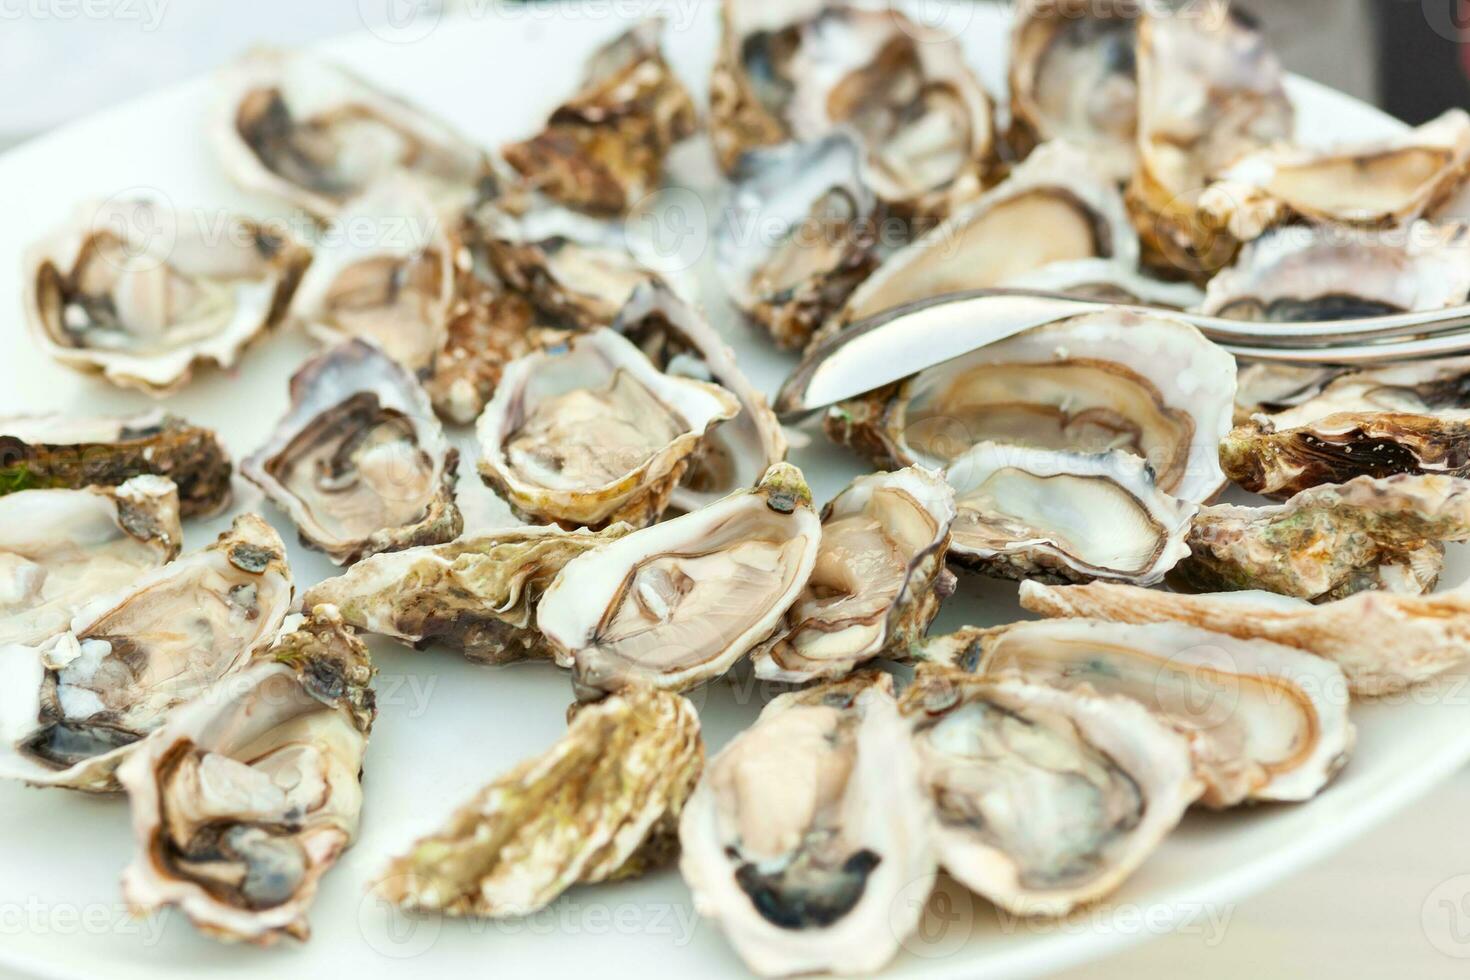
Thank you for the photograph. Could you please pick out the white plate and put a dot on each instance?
(446, 727)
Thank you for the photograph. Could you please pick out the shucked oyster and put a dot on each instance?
(677, 604)
(360, 463)
(60, 548)
(878, 581)
(77, 704)
(807, 832)
(250, 793)
(591, 433)
(140, 294)
(1045, 799)
(477, 594)
(599, 805)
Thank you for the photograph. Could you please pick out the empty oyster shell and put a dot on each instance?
(140, 294)
(79, 703)
(808, 829)
(599, 805)
(250, 793)
(1383, 641)
(677, 604)
(592, 433)
(604, 149)
(878, 581)
(59, 548)
(1062, 516)
(57, 452)
(1264, 721)
(360, 463)
(1045, 799)
(477, 594)
(307, 132)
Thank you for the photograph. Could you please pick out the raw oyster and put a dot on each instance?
(808, 831)
(1384, 642)
(1064, 516)
(477, 595)
(360, 463)
(76, 705)
(604, 149)
(1331, 541)
(599, 805)
(879, 579)
(679, 603)
(1045, 799)
(591, 433)
(1264, 721)
(800, 235)
(307, 132)
(56, 452)
(59, 548)
(140, 294)
(248, 795)
(1117, 380)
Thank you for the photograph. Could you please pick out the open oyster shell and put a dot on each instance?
(1112, 282)
(141, 294)
(360, 463)
(477, 594)
(77, 704)
(879, 579)
(591, 433)
(248, 795)
(808, 829)
(677, 604)
(1044, 799)
(599, 805)
(1263, 721)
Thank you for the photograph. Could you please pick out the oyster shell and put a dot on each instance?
(1109, 281)
(1384, 642)
(59, 548)
(807, 830)
(360, 463)
(141, 294)
(1063, 516)
(604, 149)
(57, 452)
(592, 433)
(599, 805)
(1045, 799)
(316, 136)
(1267, 387)
(677, 604)
(489, 326)
(1264, 721)
(248, 795)
(878, 580)
(78, 704)
(477, 594)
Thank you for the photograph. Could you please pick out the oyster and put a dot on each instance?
(489, 326)
(1384, 642)
(307, 132)
(1045, 799)
(140, 294)
(1264, 722)
(1331, 541)
(808, 830)
(40, 452)
(1266, 387)
(878, 581)
(604, 149)
(1111, 282)
(477, 594)
(248, 795)
(360, 463)
(599, 805)
(592, 433)
(679, 603)
(78, 703)
(1064, 516)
